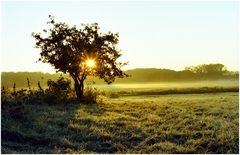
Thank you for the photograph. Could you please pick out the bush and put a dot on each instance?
(93, 95)
(59, 90)
(90, 95)
(60, 85)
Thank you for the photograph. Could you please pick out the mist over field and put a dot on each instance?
(145, 78)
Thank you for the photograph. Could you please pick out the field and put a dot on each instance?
(168, 85)
(125, 122)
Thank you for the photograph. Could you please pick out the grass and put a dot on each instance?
(175, 123)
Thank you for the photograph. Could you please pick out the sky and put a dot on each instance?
(153, 34)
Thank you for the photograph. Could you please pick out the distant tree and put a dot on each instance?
(80, 51)
(208, 69)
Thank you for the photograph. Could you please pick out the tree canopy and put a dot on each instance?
(70, 49)
(207, 69)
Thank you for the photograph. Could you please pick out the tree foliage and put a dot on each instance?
(207, 69)
(68, 48)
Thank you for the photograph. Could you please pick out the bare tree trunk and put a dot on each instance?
(76, 86)
(81, 88)
(79, 85)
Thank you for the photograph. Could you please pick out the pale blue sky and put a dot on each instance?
(152, 34)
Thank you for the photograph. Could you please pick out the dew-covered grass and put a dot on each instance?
(174, 123)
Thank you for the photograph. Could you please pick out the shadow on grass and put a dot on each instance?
(39, 131)
(93, 109)
(98, 131)
(55, 129)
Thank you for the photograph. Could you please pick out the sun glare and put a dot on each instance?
(90, 63)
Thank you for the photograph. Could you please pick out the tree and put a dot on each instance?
(207, 69)
(80, 51)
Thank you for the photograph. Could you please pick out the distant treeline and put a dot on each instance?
(190, 74)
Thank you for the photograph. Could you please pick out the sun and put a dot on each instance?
(90, 63)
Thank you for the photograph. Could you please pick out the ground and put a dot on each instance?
(176, 123)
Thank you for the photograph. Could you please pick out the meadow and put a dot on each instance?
(129, 120)
(66, 105)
